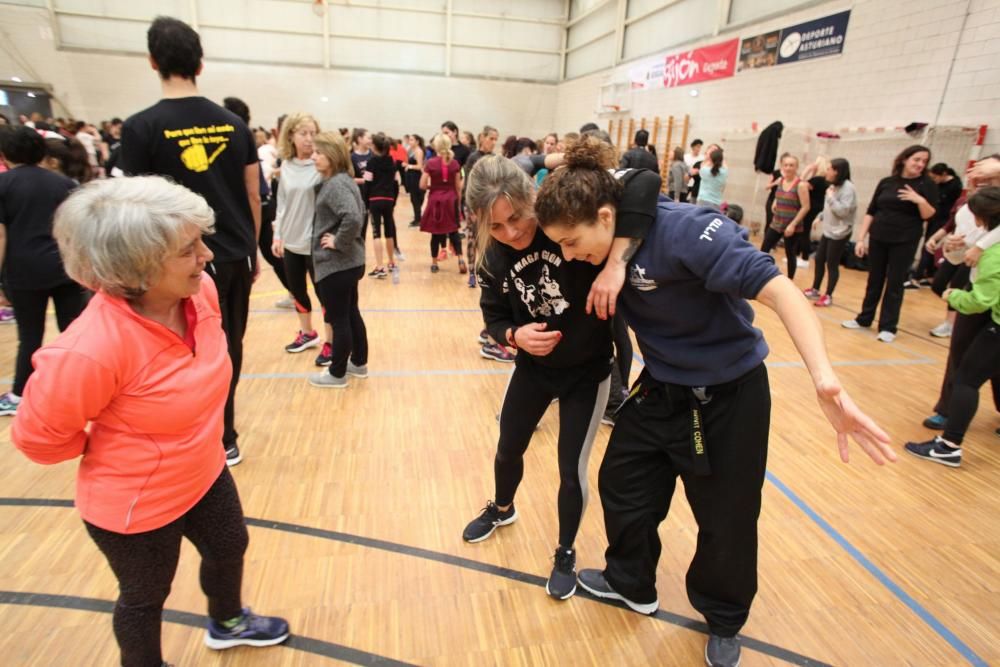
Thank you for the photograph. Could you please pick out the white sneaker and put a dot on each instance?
(285, 303)
(850, 324)
(886, 336)
(942, 330)
(802, 263)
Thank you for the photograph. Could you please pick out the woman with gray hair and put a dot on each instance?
(146, 366)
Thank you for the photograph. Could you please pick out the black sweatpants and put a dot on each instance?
(145, 564)
(651, 445)
(338, 292)
(581, 405)
(382, 213)
(439, 241)
(297, 267)
(771, 238)
(828, 260)
(233, 280)
(980, 362)
(888, 265)
(267, 239)
(963, 335)
(950, 275)
(29, 307)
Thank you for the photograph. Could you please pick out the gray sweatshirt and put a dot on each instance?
(339, 211)
(677, 177)
(296, 204)
(840, 208)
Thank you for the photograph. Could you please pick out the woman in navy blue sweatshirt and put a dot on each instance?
(536, 301)
(701, 408)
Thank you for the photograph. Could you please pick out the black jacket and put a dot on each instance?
(767, 148)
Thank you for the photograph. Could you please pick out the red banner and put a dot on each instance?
(707, 63)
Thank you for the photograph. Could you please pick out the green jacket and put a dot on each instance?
(985, 294)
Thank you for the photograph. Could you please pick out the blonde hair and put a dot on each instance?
(334, 148)
(286, 147)
(493, 177)
(822, 164)
(442, 146)
(115, 234)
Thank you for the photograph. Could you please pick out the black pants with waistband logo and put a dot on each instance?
(650, 447)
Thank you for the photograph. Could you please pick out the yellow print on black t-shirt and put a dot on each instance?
(200, 146)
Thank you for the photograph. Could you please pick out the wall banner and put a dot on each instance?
(706, 63)
(814, 39)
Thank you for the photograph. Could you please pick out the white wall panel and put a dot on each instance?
(578, 7)
(103, 34)
(386, 24)
(516, 34)
(262, 47)
(680, 23)
(375, 54)
(597, 23)
(145, 10)
(546, 9)
(591, 58)
(261, 14)
(747, 10)
(511, 65)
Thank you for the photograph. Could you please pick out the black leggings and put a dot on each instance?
(29, 307)
(771, 238)
(267, 238)
(416, 194)
(439, 241)
(145, 564)
(338, 293)
(296, 268)
(979, 363)
(888, 265)
(581, 405)
(828, 259)
(966, 328)
(382, 212)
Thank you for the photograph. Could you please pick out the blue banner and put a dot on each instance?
(814, 39)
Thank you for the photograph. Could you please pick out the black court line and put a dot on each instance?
(678, 620)
(304, 644)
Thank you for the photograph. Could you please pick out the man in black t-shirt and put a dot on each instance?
(209, 150)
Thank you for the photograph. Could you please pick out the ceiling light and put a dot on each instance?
(16, 79)
(32, 95)
(694, 92)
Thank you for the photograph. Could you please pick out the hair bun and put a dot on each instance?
(589, 152)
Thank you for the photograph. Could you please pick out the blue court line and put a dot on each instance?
(894, 588)
(881, 576)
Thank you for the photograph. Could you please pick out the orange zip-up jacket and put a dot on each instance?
(154, 405)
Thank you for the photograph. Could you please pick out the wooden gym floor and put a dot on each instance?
(356, 501)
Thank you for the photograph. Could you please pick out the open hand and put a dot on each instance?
(848, 420)
(906, 193)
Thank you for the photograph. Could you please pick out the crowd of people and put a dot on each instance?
(570, 246)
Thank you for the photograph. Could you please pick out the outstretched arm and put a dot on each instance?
(781, 296)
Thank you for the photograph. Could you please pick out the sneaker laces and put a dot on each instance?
(565, 560)
(491, 511)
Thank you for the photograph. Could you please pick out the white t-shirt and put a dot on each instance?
(268, 156)
(689, 159)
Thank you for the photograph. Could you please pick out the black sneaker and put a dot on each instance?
(608, 418)
(593, 582)
(911, 284)
(936, 450)
(325, 356)
(233, 455)
(562, 582)
(252, 630)
(483, 525)
(722, 651)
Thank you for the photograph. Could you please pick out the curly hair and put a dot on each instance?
(573, 194)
